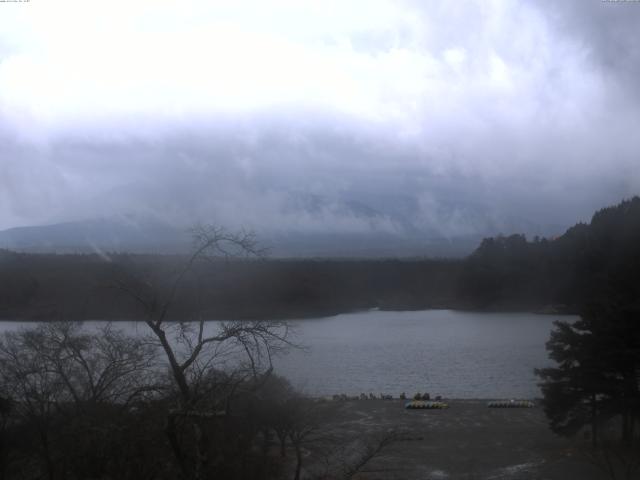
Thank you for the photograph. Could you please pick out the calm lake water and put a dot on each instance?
(444, 352)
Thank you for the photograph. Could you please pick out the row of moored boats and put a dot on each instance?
(437, 405)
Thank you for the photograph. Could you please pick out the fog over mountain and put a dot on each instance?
(377, 126)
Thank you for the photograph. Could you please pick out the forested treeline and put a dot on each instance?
(595, 385)
(36, 286)
(504, 273)
(593, 260)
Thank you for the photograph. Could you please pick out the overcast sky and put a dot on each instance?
(449, 117)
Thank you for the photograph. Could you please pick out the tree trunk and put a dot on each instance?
(176, 370)
(283, 442)
(298, 461)
(201, 451)
(594, 421)
(46, 453)
(626, 426)
(172, 435)
(266, 441)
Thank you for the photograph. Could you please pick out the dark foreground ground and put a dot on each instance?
(466, 441)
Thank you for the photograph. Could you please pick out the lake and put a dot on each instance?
(444, 352)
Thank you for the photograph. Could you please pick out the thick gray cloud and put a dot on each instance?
(446, 118)
(608, 32)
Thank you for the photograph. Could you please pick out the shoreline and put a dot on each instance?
(328, 398)
(466, 440)
(320, 315)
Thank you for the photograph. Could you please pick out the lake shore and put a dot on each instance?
(34, 316)
(466, 441)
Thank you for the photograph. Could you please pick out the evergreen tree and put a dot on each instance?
(598, 371)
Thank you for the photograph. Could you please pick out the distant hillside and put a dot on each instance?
(135, 235)
(308, 226)
(117, 234)
(47, 286)
(601, 258)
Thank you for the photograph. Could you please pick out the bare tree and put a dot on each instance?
(57, 371)
(319, 452)
(103, 366)
(367, 451)
(303, 425)
(339, 459)
(192, 350)
(6, 407)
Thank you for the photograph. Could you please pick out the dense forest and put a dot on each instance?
(588, 261)
(504, 273)
(594, 386)
(37, 287)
